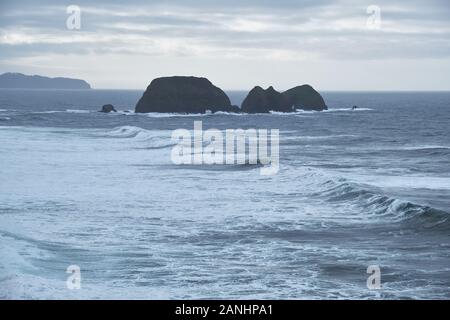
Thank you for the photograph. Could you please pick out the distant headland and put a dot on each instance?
(21, 81)
(180, 94)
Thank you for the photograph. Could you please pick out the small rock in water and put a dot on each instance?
(108, 108)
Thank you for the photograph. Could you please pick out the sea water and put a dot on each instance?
(355, 188)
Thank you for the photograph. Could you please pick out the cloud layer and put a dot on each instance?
(136, 40)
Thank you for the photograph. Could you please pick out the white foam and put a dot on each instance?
(408, 182)
(325, 137)
(154, 138)
(78, 111)
(63, 111)
(171, 115)
(347, 109)
(424, 147)
(48, 112)
(228, 113)
(126, 132)
(300, 111)
(124, 112)
(278, 113)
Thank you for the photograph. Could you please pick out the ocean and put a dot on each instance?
(355, 188)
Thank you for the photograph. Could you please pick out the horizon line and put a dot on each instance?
(239, 90)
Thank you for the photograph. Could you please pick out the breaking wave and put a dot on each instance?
(376, 205)
(154, 139)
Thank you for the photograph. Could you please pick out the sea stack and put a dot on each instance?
(302, 97)
(306, 98)
(259, 100)
(180, 94)
(108, 108)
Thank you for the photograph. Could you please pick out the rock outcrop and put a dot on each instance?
(108, 108)
(183, 95)
(22, 81)
(305, 97)
(259, 100)
(198, 95)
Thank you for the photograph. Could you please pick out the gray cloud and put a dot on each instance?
(286, 30)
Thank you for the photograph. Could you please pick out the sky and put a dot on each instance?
(237, 44)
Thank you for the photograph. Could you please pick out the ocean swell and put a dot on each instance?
(383, 208)
(153, 139)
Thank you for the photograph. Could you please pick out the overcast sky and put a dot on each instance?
(237, 44)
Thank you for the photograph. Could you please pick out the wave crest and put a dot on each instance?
(379, 206)
(153, 139)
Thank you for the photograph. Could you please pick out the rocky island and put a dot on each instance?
(21, 81)
(259, 100)
(184, 95)
(181, 94)
(306, 98)
(302, 97)
(107, 108)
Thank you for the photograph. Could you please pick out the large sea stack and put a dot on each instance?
(183, 95)
(259, 100)
(303, 97)
(306, 98)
